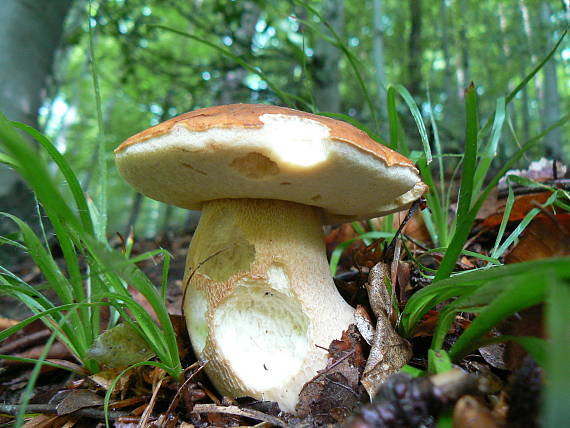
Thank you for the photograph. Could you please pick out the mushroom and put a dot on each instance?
(260, 304)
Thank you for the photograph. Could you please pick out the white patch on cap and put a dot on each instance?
(295, 140)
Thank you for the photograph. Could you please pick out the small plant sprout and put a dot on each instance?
(266, 179)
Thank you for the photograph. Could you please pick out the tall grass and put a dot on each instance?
(96, 276)
(93, 276)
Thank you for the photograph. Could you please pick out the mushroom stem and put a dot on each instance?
(259, 308)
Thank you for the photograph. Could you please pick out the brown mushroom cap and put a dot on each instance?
(268, 152)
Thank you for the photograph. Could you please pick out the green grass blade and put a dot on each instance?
(506, 215)
(536, 69)
(355, 123)
(113, 385)
(523, 224)
(8, 160)
(355, 64)
(35, 173)
(527, 290)
(68, 174)
(101, 149)
(438, 361)
(459, 285)
(416, 114)
(42, 258)
(43, 362)
(466, 223)
(490, 151)
(466, 187)
(556, 412)
(28, 391)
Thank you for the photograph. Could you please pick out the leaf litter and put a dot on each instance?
(364, 365)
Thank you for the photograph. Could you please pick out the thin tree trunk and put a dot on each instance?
(449, 81)
(30, 32)
(526, 117)
(326, 60)
(378, 57)
(551, 96)
(234, 79)
(136, 207)
(463, 67)
(415, 48)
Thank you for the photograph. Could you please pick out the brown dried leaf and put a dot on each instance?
(522, 205)
(70, 401)
(388, 354)
(389, 351)
(544, 238)
(331, 395)
(364, 324)
(337, 236)
(471, 413)
(46, 421)
(105, 378)
(380, 299)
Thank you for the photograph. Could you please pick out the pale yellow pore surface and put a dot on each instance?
(257, 309)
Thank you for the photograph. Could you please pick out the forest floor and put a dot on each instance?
(502, 388)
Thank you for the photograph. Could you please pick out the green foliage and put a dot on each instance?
(76, 321)
(147, 71)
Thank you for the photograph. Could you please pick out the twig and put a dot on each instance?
(176, 399)
(150, 406)
(49, 409)
(236, 411)
(24, 342)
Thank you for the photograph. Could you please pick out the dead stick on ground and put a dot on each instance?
(48, 409)
(236, 411)
(24, 342)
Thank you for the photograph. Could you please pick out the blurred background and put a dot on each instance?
(156, 59)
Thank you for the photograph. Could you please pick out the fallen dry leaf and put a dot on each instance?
(331, 395)
(364, 324)
(389, 352)
(522, 205)
(471, 413)
(544, 237)
(69, 401)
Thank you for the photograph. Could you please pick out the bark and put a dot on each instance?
(326, 60)
(450, 81)
(526, 117)
(30, 32)
(378, 57)
(415, 48)
(453, 109)
(463, 72)
(551, 96)
(233, 82)
(134, 214)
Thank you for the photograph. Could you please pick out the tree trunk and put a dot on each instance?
(234, 79)
(378, 57)
(463, 72)
(415, 48)
(551, 96)
(326, 60)
(30, 32)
